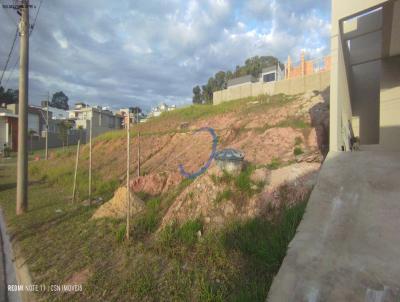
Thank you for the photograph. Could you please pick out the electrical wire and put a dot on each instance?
(30, 33)
(9, 56)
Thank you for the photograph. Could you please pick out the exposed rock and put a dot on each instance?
(199, 198)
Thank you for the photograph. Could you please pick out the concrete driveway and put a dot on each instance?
(348, 244)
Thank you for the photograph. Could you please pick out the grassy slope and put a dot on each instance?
(58, 238)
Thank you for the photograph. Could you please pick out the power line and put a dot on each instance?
(36, 16)
(30, 33)
(9, 56)
(12, 72)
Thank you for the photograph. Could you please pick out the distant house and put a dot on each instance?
(134, 117)
(242, 80)
(56, 113)
(272, 74)
(269, 74)
(36, 128)
(8, 129)
(102, 120)
(156, 111)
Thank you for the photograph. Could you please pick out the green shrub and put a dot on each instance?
(224, 195)
(297, 151)
(274, 164)
(174, 235)
(120, 232)
(187, 233)
(148, 221)
(34, 170)
(243, 182)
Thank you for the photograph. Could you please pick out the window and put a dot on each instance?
(269, 77)
(33, 122)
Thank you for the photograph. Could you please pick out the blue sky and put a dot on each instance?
(140, 53)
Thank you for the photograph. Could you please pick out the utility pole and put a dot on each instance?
(128, 195)
(47, 126)
(22, 163)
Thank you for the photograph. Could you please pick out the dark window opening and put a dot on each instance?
(269, 77)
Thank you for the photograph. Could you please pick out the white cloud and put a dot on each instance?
(143, 52)
(61, 40)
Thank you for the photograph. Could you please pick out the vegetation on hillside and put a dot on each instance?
(60, 242)
(180, 262)
(9, 96)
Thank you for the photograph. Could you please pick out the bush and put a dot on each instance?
(186, 234)
(148, 222)
(274, 164)
(224, 195)
(297, 151)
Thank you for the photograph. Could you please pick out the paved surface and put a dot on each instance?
(348, 245)
(7, 272)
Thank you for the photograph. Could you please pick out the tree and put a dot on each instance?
(9, 97)
(197, 96)
(60, 101)
(220, 81)
(136, 110)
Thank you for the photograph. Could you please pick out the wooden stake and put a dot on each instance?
(76, 171)
(128, 195)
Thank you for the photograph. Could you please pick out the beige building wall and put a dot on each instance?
(319, 81)
(364, 76)
(390, 104)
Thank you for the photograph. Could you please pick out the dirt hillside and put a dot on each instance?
(273, 133)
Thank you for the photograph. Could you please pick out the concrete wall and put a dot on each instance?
(55, 140)
(340, 100)
(390, 104)
(318, 81)
(3, 132)
(365, 100)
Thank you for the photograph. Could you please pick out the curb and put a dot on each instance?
(15, 269)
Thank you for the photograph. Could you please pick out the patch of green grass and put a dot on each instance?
(224, 195)
(243, 182)
(148, 222)
(238, 186)
(274, 164)
(186, 234)
(57, 239)
(263, 244)
(298, 151)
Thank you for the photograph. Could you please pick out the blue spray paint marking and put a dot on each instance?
(210, 159)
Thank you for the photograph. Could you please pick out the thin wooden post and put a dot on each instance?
(90, 160)
(76, 171)
(138, 149)
(128, 195)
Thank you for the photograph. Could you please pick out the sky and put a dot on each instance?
(144, 52)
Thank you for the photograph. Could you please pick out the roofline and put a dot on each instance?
(6, 114)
